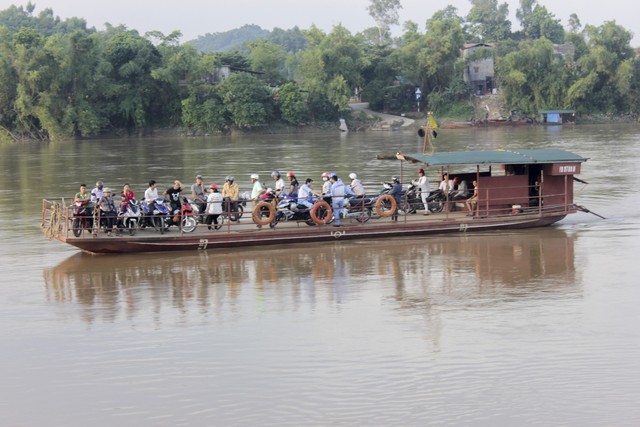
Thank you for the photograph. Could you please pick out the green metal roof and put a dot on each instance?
(509, 157)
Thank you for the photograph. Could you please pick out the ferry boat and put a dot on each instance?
(515, 189)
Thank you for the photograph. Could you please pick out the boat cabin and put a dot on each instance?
(557, 117)
(511, 181)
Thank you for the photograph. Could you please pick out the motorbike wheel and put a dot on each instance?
(75, 225)
(436, 206)
(132, 226)
(364, 216)
(189, 224)
(158, 224)
(235, 216)
(310, 222)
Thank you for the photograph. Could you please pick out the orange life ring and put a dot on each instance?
(314, 212)
(256, 214)
(381, 200)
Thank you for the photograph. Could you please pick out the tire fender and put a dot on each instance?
(259, 219)
(314, 212)
(381, 200)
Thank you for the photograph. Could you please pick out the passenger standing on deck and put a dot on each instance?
(423, 185)
(396, 192)
(326, 187)
(108, 210)
(337, 193)
(214, 207)
(472, 202)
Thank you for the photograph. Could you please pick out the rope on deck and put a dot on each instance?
(54, 228)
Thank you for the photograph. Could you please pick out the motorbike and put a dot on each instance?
(130, 218)
(82, 218)
(288, 209)
(359, 208)
(183, 217)
(412, 202)
(155, 215)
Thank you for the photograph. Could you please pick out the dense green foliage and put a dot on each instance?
(60, 79)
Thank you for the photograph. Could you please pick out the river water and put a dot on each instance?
(538, 327)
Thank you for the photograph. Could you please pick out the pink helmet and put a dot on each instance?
(290, 174)
(325, 175)
(214, 186)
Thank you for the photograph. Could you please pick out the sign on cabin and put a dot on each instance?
(562, 169)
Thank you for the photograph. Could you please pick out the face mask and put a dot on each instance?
(324, 178)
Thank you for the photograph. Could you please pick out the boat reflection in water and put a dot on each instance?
(449, 270)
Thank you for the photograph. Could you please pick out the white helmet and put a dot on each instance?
(254, 176)
(352, 175)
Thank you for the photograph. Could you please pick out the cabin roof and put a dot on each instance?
(510, 157)
(557, 111)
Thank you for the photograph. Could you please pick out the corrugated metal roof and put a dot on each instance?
(510, 157)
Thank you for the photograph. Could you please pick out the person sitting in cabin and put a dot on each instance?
(446, 185)
(461, 192)
(472, 202)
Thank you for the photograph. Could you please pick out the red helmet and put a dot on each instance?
(420, 170)
(290, 174)
(213, 186)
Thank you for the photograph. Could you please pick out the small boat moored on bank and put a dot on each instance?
(515, 189)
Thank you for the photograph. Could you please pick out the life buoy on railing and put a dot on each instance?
(258, 211)
(315, 211)
(380, 208)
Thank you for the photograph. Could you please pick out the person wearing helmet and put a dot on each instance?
(108, 210)
(396, 192)
(98, 192)
(338, 193)
(279, 183)
(326, 186)
(214, 207)
(423, 186)
(199, 194)
(257, 189)
(293, 184)
(230, 193)
(356, 186)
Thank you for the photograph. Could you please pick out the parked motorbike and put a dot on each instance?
(360, 208)
(183, 217)
(288, 209)
(155, 215)
(82, 218)
(130, 218)
(412, 202)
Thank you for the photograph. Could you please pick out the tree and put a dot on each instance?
(488, 20)
(385, 13)
(267, 58)
(291, 101)
(539, 22)
(247, 99)
(574, 23)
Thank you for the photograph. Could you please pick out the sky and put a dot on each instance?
(199, 17)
